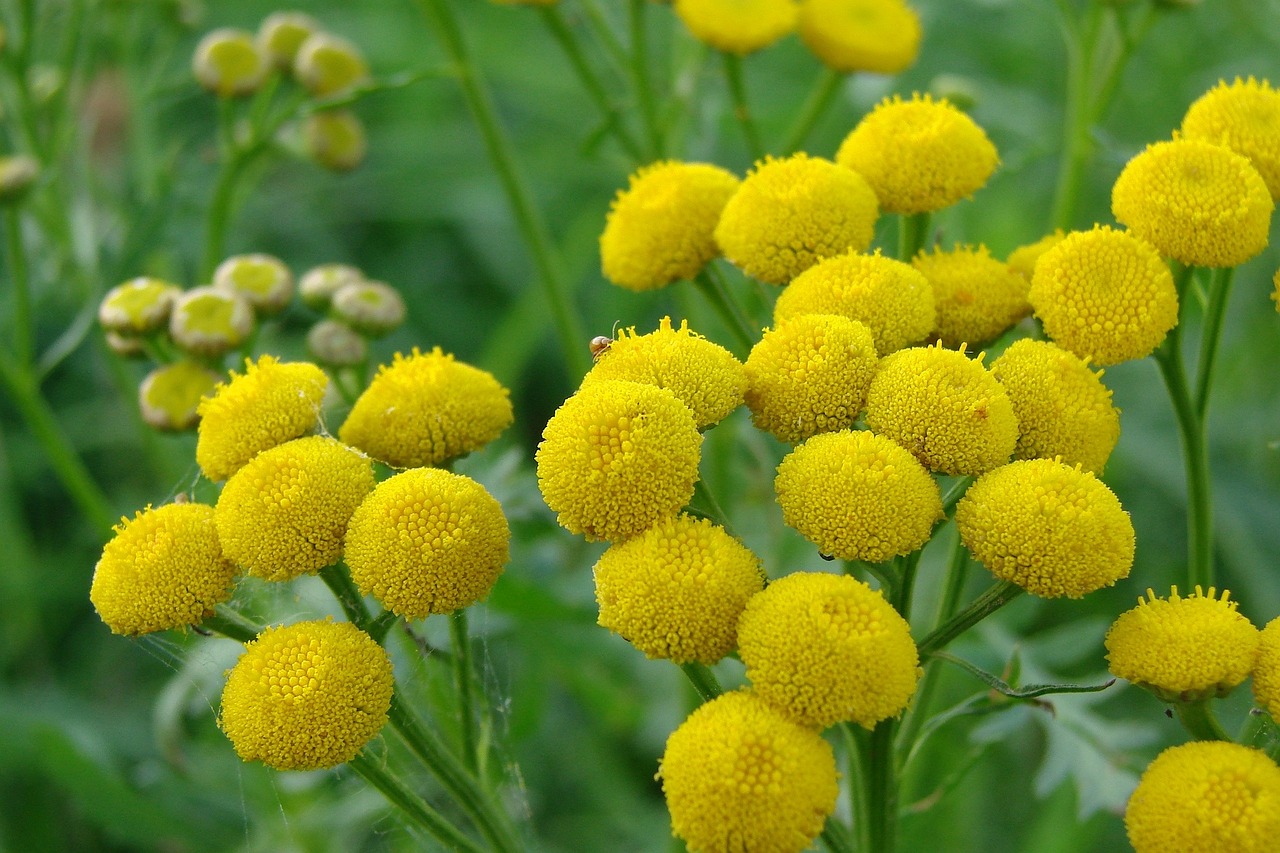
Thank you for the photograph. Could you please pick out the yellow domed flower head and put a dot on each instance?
(825, 649)
(738, 26)
(617, 457)
(334, 343)
(810, 375)
(271, 403)
(328, 65)
(209, 322)
(228, 63)
(977, 297)
(1245, 117)
(262, 279)
(739, 775)
(281, 34)
(372, 307)
(1206, 797)
(427, 541)
(1062, 407)
(704, 375)
(335, 139)
(676, 590)
(660, 229)
(140, 306)
(919, 155)
(307, 696)
(943, 407)
(169, 397)
(1266, 669)
(1050, 528)
(318, 284)
(1198, 203)
(426, 410)
(890, 298)
(163, 569)
(882, 36)
(791, 213)
(1023, 259)
(1105, 295)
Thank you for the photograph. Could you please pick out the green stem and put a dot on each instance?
(882, 788)
(640, 77)
(980, 608)
(955, 493)
(837, 836)
(741, 107)
(382, 625)
(913, 231)
(23, 332)
(340, 584)
(714, 290)
(412, 805)
(703, 679)
(1211, 334)
(815, 106)
(604, 34)
(1199, 720)
(220, 207)
(1077, 143)
(229, 623)
(462, 681)
(907, 582)
(857, 751)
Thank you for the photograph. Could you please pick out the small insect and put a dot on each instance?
(600, 344)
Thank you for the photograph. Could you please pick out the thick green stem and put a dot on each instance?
(640, 78)
(906, 585)
(981, 607)
(714, 290)
(1199, 720)
(1077, 142)
(412, 805)
(462, 682)
(882, 788)
(858, 754)
(815, 106)
(1211, 335)
(741, 107)
(913, 231)
(339, 583)
(703, 679)
(23, 331)
(229, 623)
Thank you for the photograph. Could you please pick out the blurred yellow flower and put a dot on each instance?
(977, 297)
(1245, 117)
(1023, 259)
(329, 65)
(881, 36)
(281, 34)
(1266, 669)
(262, 279)
(139, 306)
(335, 139)
(169, 397)
(738, 26)
(228, 63)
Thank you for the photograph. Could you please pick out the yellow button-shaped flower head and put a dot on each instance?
(1023, 259)
(286, 512)
(1183, 648)
(329, 65)
(1206, 797)
(660, 229)
(262, 279)
(738, 26)
(307, 696)
(810, 375)
(617, 457)
(857, 496)
(1266, 669)
(208, 322)
(427, 541)
(676, 590)
(1245, 117)
(882, 36)
(919, 155)
(1062, 407)
(169, 397)
(228, 63)
(825, 649)
(1050, 528)
(163, 569)
(791, 213)
(139, 306)
(1105, 295)
(977, 297)
(427, 409)
(269, 404)
(1196, 202)
(704, 375)
(943, 407)
(738, 775)
(890, 298)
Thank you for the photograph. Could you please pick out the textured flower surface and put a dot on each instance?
(861, 35)
(977, 297)
(738, 26)
(1023, 259)
(1245, 117)
(1266, 669)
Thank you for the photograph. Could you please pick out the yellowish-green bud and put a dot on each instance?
(264, 280)
(328, 65)
(169, 395)
(370, 307)
(335, 344)
(335, 139)
(209, 322)
(228, 63)
(318, 284)
(17, 174)
(138, 307)
(281, 34)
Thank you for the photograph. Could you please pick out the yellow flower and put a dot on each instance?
(861, 35)
(1062, 407)
(943, 407)
(163, 569)
(617, 457)
(335, 139)
(1023, 259)
(977, 297)
(676, 590)
(268, 405)
(307, 696)
(208, 322)
(140, 306)
(1104, 295)
(1245, 117)
(825, 649)
(740, 776)
(169, 397)
(281, 34)
(857, 496)
(328, 65)
(427, 541)
(262, 279)
(660, 229)
(1052, 529)
(286, 512)
(1198, 203)
(704, 375)
(1266, 669)
(919, 155)
(228, 63)
(427, 409)
(791, 213)
(737, 26)
(891, 298)
(1206, 797)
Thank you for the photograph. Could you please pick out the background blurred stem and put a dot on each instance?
(23, 333)
(604, 34)
(741, 107)
(815, 106)
(411, 804)
(1211, 334)
(716, 292)
(640, 77)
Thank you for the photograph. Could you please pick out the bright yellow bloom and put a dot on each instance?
(140, 306)
(738, 26)
(335, 139)
(208, 322)
(169, 397)
(1023, 259)
(228, 63)
(1245, 117)
(861, 35)
(1266, 669)
(977, 297)
(262, 279)
(281, 34)
(328, 65)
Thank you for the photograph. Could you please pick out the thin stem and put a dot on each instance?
(703, 679)
(837, 837)
(462, 678)
(913, 231)
(955, 493)
(713, 289)
(640, 77)
(907, 582)
(815, 106)
(1211, 334)
(229, 623)
(882, 788)
(340, 584)
(1199, 720)
(220, 207)
(23, 332)
(412, 805)
(980, 608)
(857, 750)
(741, 107)
(1077, 143)
(604, 34)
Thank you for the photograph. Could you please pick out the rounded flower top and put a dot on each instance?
(335, 139)
(427, 409)
(1198, 203)
(336, 344)
(140, 306)
(1023, 259)
(1266, 669)
(371, 307)
(281, 34)
(1052, 529)
(1245, 117)
(882, 36)
(791, 213)
(660, 229)
(738, 26)
(307, 696)
(919, 155)
(169, 397)
(228, 63)
(264, 280)
(318, 284)
(163, 569)
(329, 65)
(977, 297)
(208, 322)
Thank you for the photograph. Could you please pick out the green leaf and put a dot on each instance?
(1030, 691)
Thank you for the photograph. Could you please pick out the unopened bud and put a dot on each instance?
(328, 65)
(370, 307)
(138, 307)
(17, 174)
(228, 63)
(281, 34)
(334, 343)
(169, 396)
(264, 280)
(318, 284)
(335, 139)
(209, 322)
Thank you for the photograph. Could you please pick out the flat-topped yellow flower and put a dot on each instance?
(1245, 117)
(139, 306)
(1023, 259)
(262, 279)
(977, 297)
(1266, 669)
(881, 36)
(738, 26)
(208, 322)
(169, 397)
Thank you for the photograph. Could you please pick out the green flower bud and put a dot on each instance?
(335, 344)
(370, 307)
(335, 139)
(170, 395)
(264, 280)
(228, 63)
(17, 174)
(328, 65)
(281, 34)
(209, 322)
(138, 307)
(318, 284)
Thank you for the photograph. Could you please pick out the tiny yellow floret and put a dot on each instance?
(738, 26)
(1245, 117)
(881, 36)
(1266, 669)
(977, 297)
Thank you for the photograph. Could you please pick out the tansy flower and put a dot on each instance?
(329, 65)
(208, 322)
(793, 212)
(307, 696)
(977, 297)
(228, 63)
(1266, 669)
(704, 375)
(262, 279)
(738, 775)
(738, 26)
(1062, 407)
(810, 375)
(334, 343)
(163, 569)
(285, 513)
(891, 298)
(335, 139)
(825, 649)
(1245, 117)
(371, 307)
(919, 155)
(1105, 295)
(281, 34)
(1052, 529)
(1023, 259)
(140, 306)
(660, 229)
(676, 590)
(1183, 649)
(943, 407)
(857, 496)
(268, 405)
(318, 284)
(427, 409)
(882, 36)
(169, 397)
(1206, 797)
(1198, 203)
(427, 541)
